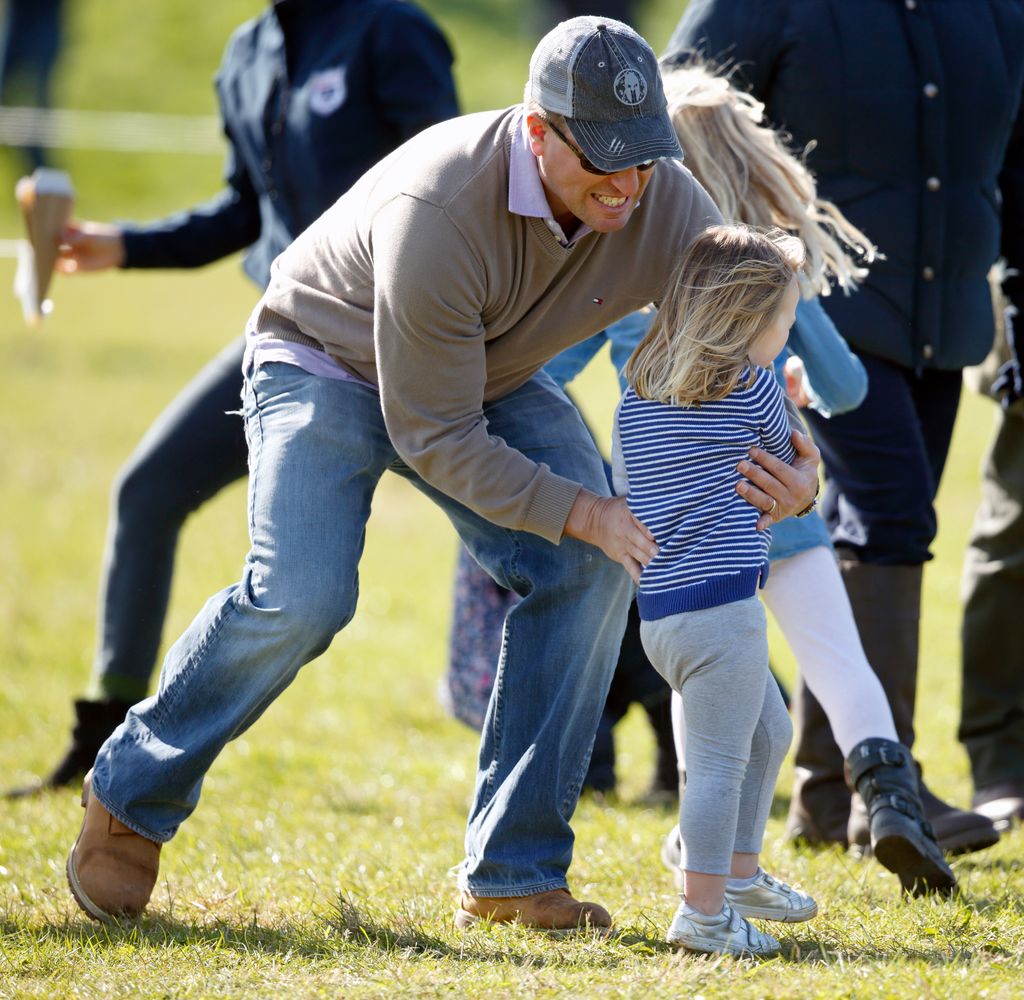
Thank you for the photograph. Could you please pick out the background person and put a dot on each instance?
(910, 109)
(30, 41)
(992, 706)
(295, 86)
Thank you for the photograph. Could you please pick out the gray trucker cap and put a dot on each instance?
(603, 78)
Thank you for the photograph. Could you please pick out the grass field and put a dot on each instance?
(316, 864)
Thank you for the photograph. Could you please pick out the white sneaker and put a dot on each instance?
(728, 933)
(769, 899)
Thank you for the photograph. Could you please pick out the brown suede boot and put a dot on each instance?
(111, 869)
(554, 910)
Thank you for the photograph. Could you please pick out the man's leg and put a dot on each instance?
(559, 651)
(317, 449)
(193, 450)
(992, 719)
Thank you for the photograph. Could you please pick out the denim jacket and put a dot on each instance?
(312, 93)
(835, 378)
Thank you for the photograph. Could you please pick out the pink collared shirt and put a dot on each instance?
(526, 191)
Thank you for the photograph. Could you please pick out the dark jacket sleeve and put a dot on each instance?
(412, 70)
(226, 223)
(740, 35)
(1011, 186)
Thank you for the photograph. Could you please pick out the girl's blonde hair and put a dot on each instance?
(725, 293)
(754, 178)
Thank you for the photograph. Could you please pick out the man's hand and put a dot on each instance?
(90, 246)
(608, 523)
(776, 489)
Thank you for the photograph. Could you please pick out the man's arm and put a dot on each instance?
(628, 541)
(609, 524)
(429, 293)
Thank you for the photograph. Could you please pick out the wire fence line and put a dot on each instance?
(107, 131)
(113, 131)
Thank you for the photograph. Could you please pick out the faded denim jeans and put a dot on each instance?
(317, 450)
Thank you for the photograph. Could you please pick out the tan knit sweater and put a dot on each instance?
(421, 281)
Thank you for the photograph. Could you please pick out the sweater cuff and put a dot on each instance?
(551, 504)
(135, 247)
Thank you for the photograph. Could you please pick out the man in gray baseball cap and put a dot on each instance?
(602, 78)
(405, 331)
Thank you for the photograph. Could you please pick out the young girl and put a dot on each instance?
(754, 178)
(701, 394)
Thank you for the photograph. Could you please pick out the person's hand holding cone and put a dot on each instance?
(45, 199)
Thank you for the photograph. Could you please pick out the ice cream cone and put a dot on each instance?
(45, 199)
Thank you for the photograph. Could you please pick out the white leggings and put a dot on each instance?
(808, 601)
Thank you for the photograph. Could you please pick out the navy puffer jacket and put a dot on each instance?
(915, 109)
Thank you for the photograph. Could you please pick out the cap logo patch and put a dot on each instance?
(630, 87)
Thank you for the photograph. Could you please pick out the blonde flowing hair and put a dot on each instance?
(725, 293)
(753, 177)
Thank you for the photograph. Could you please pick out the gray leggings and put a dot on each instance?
(737, 727)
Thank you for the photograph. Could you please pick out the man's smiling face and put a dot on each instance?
(604, 203)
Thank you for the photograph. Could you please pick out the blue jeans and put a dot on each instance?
(317, 450)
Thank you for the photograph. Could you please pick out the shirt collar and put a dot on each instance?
(526, 191)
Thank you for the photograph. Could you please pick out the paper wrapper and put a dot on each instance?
(45, 199)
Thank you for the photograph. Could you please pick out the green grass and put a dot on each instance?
(317, 861)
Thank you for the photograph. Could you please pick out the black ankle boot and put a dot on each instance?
(94, 722)
(884, 775)
(957, 831)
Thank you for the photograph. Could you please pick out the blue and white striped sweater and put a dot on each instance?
(679, 463)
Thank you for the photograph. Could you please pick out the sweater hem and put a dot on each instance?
(708, 593)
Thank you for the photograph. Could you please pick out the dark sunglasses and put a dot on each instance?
(587, 165)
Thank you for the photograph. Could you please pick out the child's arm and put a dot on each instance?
(838, 382)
